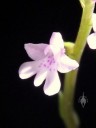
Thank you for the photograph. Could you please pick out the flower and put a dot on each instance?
(91, 39)
(48, 59)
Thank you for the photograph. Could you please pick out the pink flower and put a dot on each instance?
(91, 40)
(48, 59)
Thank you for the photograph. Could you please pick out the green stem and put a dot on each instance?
(66, 98)
(84, 30)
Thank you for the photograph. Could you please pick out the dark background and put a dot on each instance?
(24, 105)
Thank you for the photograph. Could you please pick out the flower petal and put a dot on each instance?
(52, 83)
(28, 69)
(52, 50)
(56, 39)
(94, 21)
(91, 40)
(67, 64)
(35, 51)
(40, 77)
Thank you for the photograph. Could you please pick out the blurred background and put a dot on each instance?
(24, 105)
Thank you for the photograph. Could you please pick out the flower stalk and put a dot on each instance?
(66, 97)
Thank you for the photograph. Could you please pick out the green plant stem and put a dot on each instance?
(66, 98)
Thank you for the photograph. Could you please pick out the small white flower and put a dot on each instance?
(48, 59)
(91, 40)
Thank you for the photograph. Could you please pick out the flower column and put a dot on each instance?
(66, 98)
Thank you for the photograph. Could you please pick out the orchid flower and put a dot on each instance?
(48, 59)
(91, 40)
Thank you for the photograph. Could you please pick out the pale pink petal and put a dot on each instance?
(28, 69)
(52, 50)
(35, 51)
(67, 64)
(52, 83)
(94, 21)
(40, 77)
(56, 39)
(91, 40)
(47, 50)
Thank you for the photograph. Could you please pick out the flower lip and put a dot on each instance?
(49, 63)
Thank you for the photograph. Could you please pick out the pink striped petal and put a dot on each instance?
(35, 51)
(52, 83)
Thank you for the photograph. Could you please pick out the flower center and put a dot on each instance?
(48, 63)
